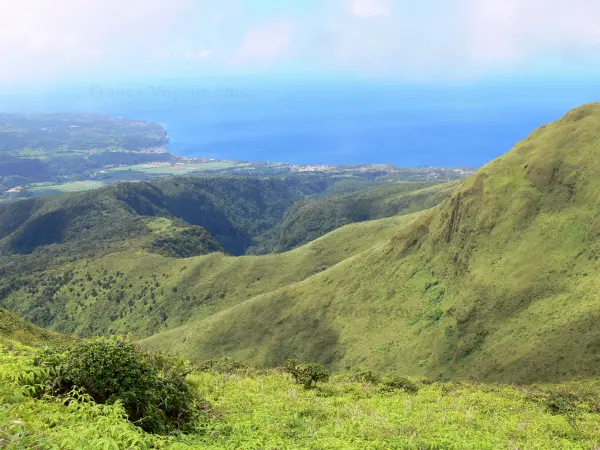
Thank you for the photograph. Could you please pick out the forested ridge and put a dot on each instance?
(56, 249)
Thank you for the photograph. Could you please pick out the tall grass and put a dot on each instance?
(266, 410)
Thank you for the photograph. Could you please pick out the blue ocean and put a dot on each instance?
(324, 123)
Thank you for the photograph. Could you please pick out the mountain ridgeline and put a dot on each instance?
(491, 277)
(307, 220)
(235, 211)
(232, 209)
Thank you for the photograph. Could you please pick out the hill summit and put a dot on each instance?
(498, 282)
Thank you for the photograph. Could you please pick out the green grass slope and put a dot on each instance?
(13, 328)
(498, 282)
(268, 410)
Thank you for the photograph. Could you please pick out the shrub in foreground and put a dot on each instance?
(306, 374)
(572, 401)
(399, 383)
(386, 384)
(366, 376)
(227, 366)
(153, 388)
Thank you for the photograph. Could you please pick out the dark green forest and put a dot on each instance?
(236, 211)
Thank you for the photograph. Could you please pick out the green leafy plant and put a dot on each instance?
(152, 388)
(307, 374)
(228, 366)
(434, 315)
(366, 376)
(399, 383)
(562, 403)
(261, 411)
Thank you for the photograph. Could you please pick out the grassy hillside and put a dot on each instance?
(310, 219)
(496, 283)
(103, 261)
(144, 292)
(257, 409)
(15, 329)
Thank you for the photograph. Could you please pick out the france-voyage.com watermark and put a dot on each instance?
(165, 93)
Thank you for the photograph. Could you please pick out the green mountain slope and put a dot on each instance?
(13, 328)
(232, 209)
(236, 211)
(498, 282)
(106, 261)
(139, 291)
(257, 408)
(310, 219)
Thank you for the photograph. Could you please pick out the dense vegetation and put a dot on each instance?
(478, 286)
(232, 209)
(307, 220)
(152, 388)
(185, 243)
(237, 212)
(143, 292)
(101, 261)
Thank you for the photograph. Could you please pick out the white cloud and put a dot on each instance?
(265, 43)
(369, 9)
(515, 30)
(45, 37)
(199, 55)
(461, 38)
(41, 39)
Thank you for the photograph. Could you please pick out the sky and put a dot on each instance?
(44, 41)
